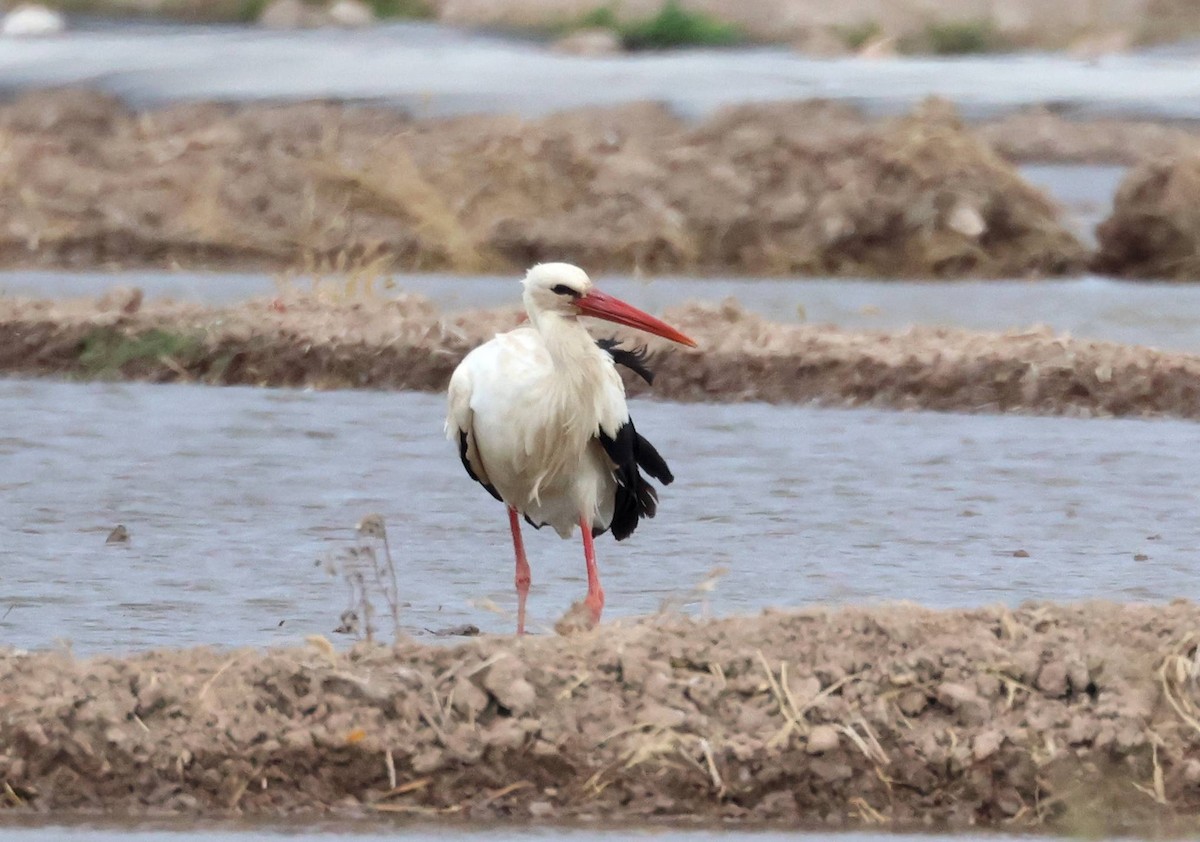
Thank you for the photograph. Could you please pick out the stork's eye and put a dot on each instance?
(563, 289)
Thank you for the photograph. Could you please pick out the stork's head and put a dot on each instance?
(565, 290)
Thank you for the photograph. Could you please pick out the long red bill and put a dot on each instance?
(601, 305)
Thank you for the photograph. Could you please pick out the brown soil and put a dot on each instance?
(406, 344)
(1041, 135)
(785, 188)
(1154, 229)
(1081, 718)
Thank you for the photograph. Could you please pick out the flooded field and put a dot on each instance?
(237, 500)
(232, 495)
(434, 70)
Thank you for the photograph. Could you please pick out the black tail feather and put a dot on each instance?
(650, 461)
(635, 496)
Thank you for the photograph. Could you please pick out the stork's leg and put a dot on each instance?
(523, 577)
(595, 595)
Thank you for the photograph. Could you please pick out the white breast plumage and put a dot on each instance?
(540, 420)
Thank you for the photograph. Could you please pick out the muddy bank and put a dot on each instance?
(301, 340)
(1041, 135)
(1079, 718)
(1154, 228)
(806, 188)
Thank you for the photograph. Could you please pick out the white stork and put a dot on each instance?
(540, 421)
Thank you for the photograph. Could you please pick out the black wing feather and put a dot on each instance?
(634, 359)
(635, 497)
(462, 454)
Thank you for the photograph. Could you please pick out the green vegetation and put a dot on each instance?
(673, 27)
(956, 38)
(250, 10)
(856, 36)
(106, 351)
(408, 9)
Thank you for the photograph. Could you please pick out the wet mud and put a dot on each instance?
(405, 343)
(793, 188)
(1081, 718)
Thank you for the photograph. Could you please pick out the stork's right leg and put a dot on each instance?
(523, 576)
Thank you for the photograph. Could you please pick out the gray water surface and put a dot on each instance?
(434, 70)
(232, 494)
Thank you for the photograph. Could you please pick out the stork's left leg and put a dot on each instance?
(523, 577)
(595, 595)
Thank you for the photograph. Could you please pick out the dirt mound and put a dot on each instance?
(1081, 718)
(770, 189)
(1154, 228)
(1043, 135)
(406, 344)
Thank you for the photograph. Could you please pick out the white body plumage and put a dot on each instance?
(539, 417)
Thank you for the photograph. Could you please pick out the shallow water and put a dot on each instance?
(435, 70)
(231, 495)
(1085, 192)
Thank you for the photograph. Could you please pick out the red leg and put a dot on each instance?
(523, 577)
(595, 595)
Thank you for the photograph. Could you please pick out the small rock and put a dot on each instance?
(970, 707)
(829, 770)
(589, 42)
(1020, 554)
(505, 734)
(966, 220)
(506, 681)
(821, 739)
(1082, 729)
(118, 535)
(912, 702)
(428, 761)
(986, 744)
(1009, 800)
(804, 688)
(1052, 679)
(467, 698)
